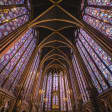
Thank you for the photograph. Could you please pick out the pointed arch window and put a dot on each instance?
(56, 94)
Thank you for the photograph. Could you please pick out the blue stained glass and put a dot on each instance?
(55, 83)
(104, 28)
(4, 60)
(102, 14)
(13, 60)
(67, 93)
(62, 92)
(7, 28)
(81, 81)
(12, 13)
(103, 55)
(11, 2)
(72, 77)
(29, 5)
(100, 2)
(90, 70)
(94, 68)
(19, 65)
(95, 57)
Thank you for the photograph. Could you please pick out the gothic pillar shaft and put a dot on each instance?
(24, 76)
(76, 82)
(65, 90)
(70, 87)
(87, 78)
(35, 82)
(75, 85)
(40, 88)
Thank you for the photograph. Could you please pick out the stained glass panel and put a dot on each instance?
(102, 60)
(10, 26)
(81, 81)
(90, 67)
(102, 14)
(100, 2)
(14, 61)
(12, 13)
(7, 57)
(31, 78)
(103, 27)
(19, 67)
(11, 2)
(56, 93)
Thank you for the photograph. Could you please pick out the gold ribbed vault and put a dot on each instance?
(56, 47)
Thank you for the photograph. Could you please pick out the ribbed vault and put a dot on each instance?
(57, 24)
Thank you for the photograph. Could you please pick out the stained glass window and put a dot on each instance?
(12, 18)
(29, 5)
(103, 27)
(8, 14)
(49, 89)
(68, 94)
(10, 26)
(14, 61)
(101, 14)
(42, 93)
(12, 51)
(96, 60)
(102, 60)
(11, 2)
(30, 79)
(99, 18)
(81, 80)
(62, 92)
(100, 2)
(56, 93)
(14, 75)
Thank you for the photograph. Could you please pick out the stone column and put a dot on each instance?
(88, 81)
(24, 77)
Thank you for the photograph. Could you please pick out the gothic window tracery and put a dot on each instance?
(56, 95)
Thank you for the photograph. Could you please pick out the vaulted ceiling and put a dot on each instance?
(56, 21)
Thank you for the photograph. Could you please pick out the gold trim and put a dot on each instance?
(70, 15)
(50, 20)
(38, 17)
(54, 65)
(48, 56)
(50, 28)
